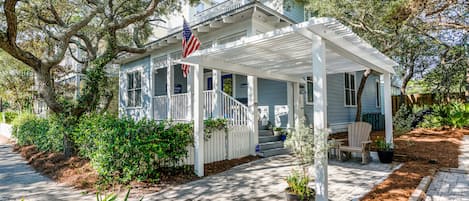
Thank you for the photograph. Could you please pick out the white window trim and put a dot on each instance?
(137, 69)
(355, 89)
(378, 88)
(306, 91)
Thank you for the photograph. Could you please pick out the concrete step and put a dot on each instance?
(264, 139)
(274, 152)
(265, 133)
(271, 145)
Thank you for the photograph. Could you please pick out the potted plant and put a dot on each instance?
(283, 136)
(298, 189)
(277, 131)
(385, 151)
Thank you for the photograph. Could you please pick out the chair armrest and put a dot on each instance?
(367, 142)
(341, 140)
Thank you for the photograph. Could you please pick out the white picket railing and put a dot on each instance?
(180, 107)
(222, 146)
(160, 107)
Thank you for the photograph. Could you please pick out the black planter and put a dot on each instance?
(386, 156)
(294, 197)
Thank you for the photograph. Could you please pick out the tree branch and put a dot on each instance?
(135, 17)
(131, 49)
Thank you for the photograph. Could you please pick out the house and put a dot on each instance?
(259, 62)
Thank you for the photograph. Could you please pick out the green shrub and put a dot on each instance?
(454, 114)
(9, 116)
(28, 129)
(403, 120)
(458, 115)
(124, 150)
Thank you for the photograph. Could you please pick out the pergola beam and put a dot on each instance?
(239, 69)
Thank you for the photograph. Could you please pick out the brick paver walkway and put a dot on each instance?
(18, 181)
(265, 180)
(452, 186)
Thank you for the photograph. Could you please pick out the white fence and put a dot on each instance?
(223, 146)
(6, 130)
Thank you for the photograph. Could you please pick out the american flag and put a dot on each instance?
(190, 44)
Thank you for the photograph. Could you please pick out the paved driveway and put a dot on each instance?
(18, 181)
(454, 185)
(264, 180)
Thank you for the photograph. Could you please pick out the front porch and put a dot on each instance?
(319, 47)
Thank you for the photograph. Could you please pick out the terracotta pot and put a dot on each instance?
(294, 197)
(386, 156)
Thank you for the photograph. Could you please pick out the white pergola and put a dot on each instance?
(319, 47)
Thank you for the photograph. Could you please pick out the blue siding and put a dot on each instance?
(369, 94)
(336, 110)
(273, 94)
(295, 10)
(144, 110)
(241, 86)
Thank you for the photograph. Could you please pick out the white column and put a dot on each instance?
(253, 114)
(387, 107)
(198, 119)
(216, 85)
(190, 91)
(296, 105)
(170, 88)
(320, 119)
(290, 104)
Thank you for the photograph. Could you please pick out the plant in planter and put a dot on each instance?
(283, 135)
(277, 131)
(385, 151)
(298, 188)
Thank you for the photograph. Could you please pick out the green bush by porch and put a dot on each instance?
(119, 149)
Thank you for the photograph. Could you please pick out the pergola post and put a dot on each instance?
(198, 120)
(253, 114)
(216, 84)
(290, 103)
(170, 88)
(387, 107)
(296, 105)
(190, 91)
(320, 119)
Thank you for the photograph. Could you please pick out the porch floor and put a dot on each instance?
(265, 180)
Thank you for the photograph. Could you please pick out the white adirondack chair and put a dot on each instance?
(358, 141)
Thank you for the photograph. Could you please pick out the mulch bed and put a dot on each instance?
(422, 152)
(78, 172)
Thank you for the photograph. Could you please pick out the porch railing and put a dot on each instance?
(180, 107)
(229, 108)
(160, 107)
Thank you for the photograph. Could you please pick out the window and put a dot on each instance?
(134, 89)
(309, 90)
(350, 93)
(378, 93)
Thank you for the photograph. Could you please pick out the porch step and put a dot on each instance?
(274, 152)
(264, 139)
(271, 145)
(265, 133)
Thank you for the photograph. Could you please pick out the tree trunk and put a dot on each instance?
(409, 74)
(365, 76)
(68, 146)
(467, 85)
